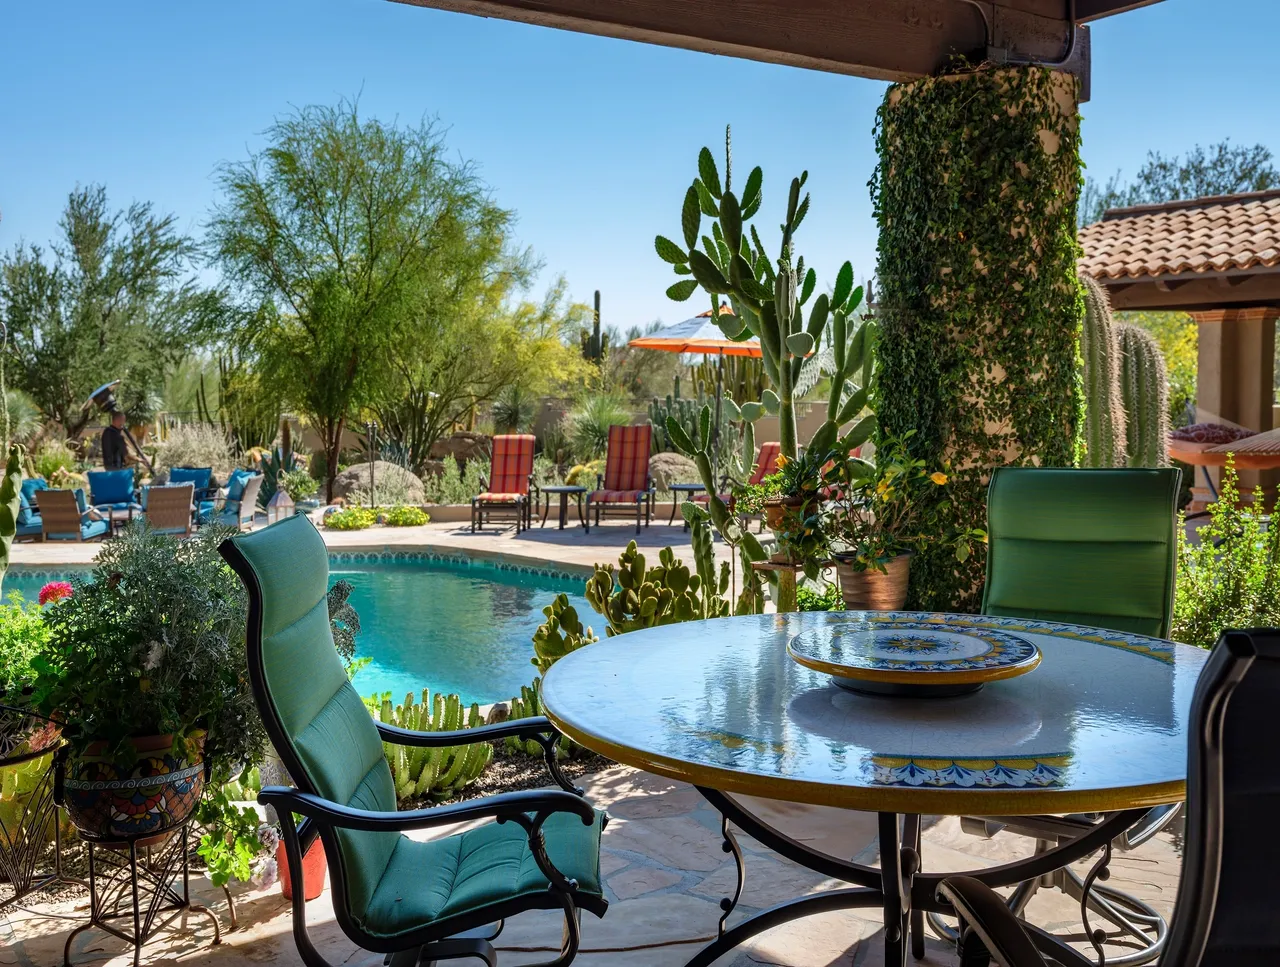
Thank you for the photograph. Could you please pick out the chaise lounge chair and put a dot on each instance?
(409, 899)
(510, 489)
(625, 483)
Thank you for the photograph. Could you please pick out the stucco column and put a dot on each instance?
(1235, 382)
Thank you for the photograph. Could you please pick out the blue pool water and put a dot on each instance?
(447, 627)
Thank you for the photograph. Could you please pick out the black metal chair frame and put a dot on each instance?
(520, 511)
(448, 938)
(990, 930)
(643, 505)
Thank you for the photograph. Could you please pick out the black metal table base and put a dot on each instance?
(132, 893)
(898, 887)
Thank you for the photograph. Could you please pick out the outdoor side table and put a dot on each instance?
(1099, 726)
(564, 493)
(688, 489)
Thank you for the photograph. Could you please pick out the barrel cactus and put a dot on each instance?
(1105, 440)
(1144, 387)
(437, 773)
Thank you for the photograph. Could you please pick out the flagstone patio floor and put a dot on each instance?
(665, 872)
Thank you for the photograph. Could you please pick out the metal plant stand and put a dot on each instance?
(133, 893)
(23, 831)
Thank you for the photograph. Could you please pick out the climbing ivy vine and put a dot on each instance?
(979, 305)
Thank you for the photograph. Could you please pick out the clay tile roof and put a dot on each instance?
(1224, 233)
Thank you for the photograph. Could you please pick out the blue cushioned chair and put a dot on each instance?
(405, 898)
(206, 492)
(65, 516)
(111, 491)
(241, 500)
(30, 523)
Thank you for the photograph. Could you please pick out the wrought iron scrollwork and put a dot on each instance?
(730, 845)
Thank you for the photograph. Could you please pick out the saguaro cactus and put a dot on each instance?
(1105, 439)
(1144, 387)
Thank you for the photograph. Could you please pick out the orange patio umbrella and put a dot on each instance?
(698, 335)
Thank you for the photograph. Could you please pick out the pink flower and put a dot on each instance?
(55, 591)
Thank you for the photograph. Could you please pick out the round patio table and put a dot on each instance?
(1099, 726)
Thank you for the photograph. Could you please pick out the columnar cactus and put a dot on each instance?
(768, 298)
(437, 772)
(1144, 387)
(10, 493)
(529, 705)
(660, 595)
(1105, 440)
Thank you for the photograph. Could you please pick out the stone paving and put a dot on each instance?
(665, 873)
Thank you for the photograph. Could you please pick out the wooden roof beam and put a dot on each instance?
(885, 39)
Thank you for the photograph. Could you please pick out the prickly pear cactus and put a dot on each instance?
(665, 594)
(436, 773)
(560, 634)
(1105, 438)
(10, 492)
(1144, 387)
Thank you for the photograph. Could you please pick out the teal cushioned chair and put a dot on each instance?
(1093, 547)
(1087, 547)
(417, 902)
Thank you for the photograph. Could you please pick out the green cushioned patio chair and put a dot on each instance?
(417, 902)
(1087, 547)
(1093, 547)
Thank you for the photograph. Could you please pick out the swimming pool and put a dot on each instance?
(447, 625)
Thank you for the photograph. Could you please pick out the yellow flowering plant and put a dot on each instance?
(879, 510)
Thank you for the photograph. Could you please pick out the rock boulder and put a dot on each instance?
(398, 481)
(462, 446)
(669, 468)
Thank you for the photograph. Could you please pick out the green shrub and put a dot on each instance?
(52, 457)
(514, 410)
(828, 599)
(1230, 578)
(196, 445)
(405, 516)
(351, 519)
(587, 426)
(299, 484)
(23, 636)
(455, 485)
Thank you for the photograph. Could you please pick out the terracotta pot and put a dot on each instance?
(107, 800)
(313, 870)
(776, 512)
(873, 590)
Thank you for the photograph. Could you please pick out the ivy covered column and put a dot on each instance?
(979, 305)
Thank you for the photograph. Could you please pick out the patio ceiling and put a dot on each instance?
(885, 39)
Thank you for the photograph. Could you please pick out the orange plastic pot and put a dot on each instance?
(313, 869)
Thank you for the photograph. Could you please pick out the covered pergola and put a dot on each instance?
(1218, 259)
(894, 40)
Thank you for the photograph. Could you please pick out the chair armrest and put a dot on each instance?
(538, 728)
(505, 806)
(484, 484)
(599, 481)
(524, 728)
(983, 911)
(533, 487)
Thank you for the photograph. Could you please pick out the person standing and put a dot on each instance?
(113, 442)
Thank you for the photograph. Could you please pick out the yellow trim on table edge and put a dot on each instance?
(919, 800)
(975, 676)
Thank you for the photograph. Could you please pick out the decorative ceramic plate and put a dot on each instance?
(913, 659)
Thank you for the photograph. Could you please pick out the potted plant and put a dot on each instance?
(145, 672)
(876, 519)
(791, 500)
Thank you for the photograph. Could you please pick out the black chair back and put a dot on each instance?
(1228, 908)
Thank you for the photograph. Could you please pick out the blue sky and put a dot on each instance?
(592, 141)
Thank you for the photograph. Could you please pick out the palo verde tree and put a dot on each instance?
(328, 234)
(114, 298)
